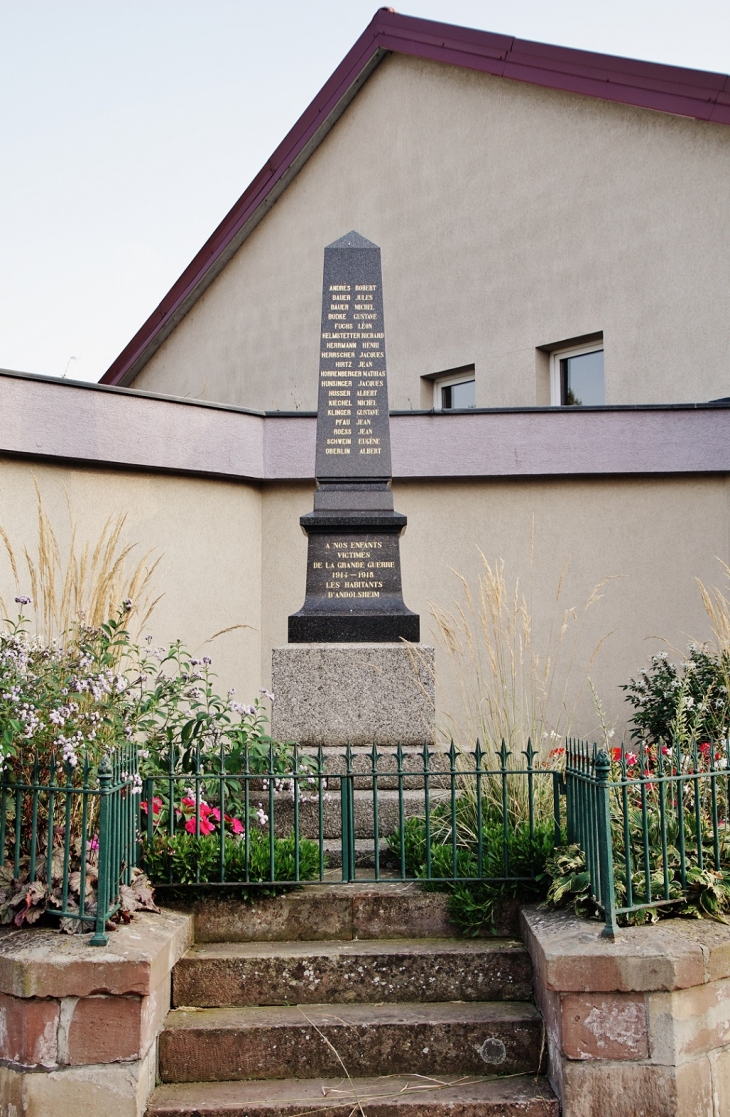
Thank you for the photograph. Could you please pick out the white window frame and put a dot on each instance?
(446, 382)
(559, 355)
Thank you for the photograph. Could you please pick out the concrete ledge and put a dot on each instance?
(332, 912)
(36, 962)
(51, 418)
(644, 1020)
(79, 1024)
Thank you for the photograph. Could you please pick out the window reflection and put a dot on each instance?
(581, 380)
(459, 395)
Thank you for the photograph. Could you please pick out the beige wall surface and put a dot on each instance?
(510, 217)
(651, 537)
(206, 533)
(235, 554)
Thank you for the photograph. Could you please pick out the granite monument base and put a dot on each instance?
(332, 694)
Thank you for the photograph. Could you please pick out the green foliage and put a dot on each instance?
(569, 882)
(707, 892)
(68, 704)
(474, 902)
(97, 689)
(688, 701)
(184, 859)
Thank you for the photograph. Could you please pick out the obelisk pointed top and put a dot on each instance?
(352, 240)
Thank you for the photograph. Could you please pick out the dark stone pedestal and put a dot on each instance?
(354, 590)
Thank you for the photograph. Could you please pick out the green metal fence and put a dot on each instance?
(340, 815)
(59, 820)
(648, 820)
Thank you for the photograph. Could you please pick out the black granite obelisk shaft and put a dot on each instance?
(354, 590)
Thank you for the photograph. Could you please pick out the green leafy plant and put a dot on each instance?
(184, 859)
(707, 891)
(686, 700)
(474, 902)
(68, 704)
(570, 882)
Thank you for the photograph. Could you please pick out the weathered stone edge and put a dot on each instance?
(42, 963)
(570, 955)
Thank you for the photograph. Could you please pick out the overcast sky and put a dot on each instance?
(128, 129)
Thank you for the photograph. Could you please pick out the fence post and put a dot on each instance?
(558, 790)
(605, 848)
(347, 818)
(100, 937)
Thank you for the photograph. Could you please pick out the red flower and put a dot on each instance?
(616, 754)
(705, 749)
(156, 805)
(631, 758)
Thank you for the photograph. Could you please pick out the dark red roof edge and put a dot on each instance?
(649, 85)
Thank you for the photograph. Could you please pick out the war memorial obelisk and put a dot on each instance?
(353, 567)
(348, 673)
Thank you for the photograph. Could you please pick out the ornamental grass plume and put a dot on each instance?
(82, 582)
(717, 607)
(513, 687)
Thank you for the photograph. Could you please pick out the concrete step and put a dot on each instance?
(361, 764)
(397, 1096)
(388, 811)
(314, 1041)
(364, 854)
(334, 763)
(325, 912)
(424, 970)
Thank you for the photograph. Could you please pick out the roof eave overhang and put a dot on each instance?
(692, 93)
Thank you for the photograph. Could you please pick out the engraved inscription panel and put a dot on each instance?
(360, 571)
(353, 437)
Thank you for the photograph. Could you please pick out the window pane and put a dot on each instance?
(459, 395)
(582, 380)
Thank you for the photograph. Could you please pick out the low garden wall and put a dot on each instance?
(635, 1026)
(79, 1024)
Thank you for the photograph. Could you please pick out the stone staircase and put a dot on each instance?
(317, 1001)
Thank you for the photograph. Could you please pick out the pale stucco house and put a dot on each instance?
(555, 239)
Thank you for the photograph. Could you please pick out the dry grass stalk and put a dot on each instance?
(717, 608)
(85, 584)
(510, 689)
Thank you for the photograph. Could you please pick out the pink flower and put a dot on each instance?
(94, 842)
(631, 758)
(237, 826)
(214, 814)
(205, 826)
